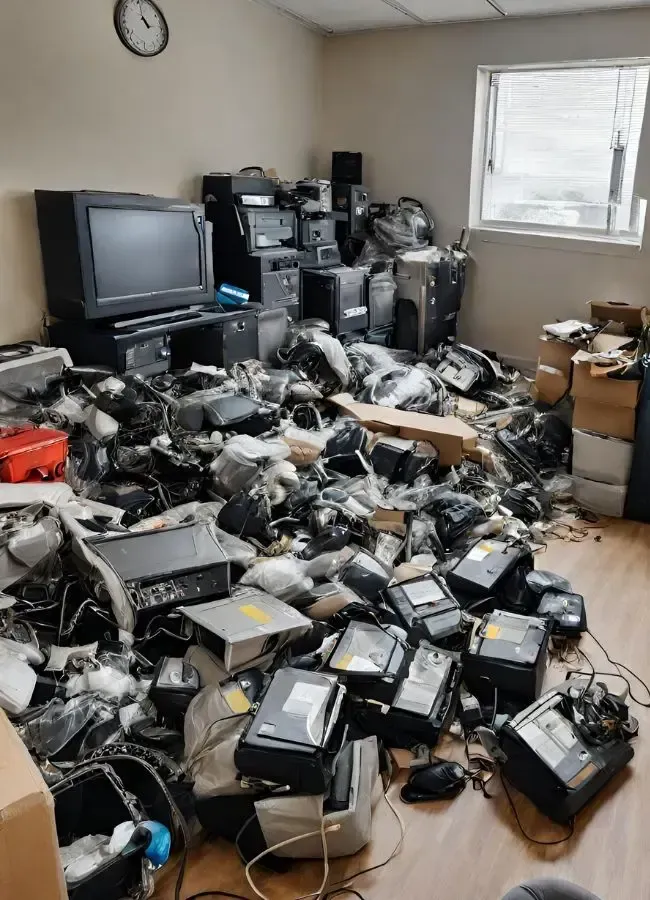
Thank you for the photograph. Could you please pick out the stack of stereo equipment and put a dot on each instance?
(430, 286)
(254, 241)
(311, 200)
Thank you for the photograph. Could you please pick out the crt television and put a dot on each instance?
(112, 255)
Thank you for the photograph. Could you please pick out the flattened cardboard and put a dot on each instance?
(599, 458)
(556, 355)
(603, 418)
(450, 435)
(27, 829)
(629, 315)
(606, 499)
(603, 390)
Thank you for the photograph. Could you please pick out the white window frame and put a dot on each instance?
(494, 231)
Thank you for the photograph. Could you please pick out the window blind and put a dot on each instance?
(562, 146)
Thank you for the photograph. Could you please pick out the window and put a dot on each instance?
(559, 150)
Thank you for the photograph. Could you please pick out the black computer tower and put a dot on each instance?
(230, 340)
(336, 295)
(350, 205)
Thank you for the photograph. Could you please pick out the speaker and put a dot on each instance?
(347, 167)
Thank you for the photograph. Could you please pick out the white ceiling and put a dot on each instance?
(332, 16)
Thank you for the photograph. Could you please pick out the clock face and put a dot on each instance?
(141, 27)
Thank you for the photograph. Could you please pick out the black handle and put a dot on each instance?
(412, 201)
(247, 169)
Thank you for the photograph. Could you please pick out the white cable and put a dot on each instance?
(322, 831)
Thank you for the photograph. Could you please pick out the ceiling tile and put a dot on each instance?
(346, 15)
(548, 7)
(450, 10)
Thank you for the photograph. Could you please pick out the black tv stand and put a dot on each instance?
(166, 318)
(143, 346)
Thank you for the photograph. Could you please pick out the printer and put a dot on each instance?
(253, 240)
(311, 200)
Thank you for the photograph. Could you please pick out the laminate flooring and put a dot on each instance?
(470, 848)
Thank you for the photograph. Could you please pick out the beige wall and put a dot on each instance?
(406, 99)
(238, 85)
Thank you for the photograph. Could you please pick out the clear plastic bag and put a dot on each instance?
(284, 577)
(242, 458)
(400, 387)
(60, 722)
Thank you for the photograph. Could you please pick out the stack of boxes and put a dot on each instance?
(604, 416)
(604, 413)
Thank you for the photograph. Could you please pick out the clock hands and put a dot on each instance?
(143, 18)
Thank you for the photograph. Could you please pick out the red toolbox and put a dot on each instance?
(28, 453)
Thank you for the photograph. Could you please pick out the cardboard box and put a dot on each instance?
(629, 315)
(603, 389)
(450, 435)
(550, 385)
(606, 499)
(616, 421)
(556, 355)
(600, 458)
(30, 868)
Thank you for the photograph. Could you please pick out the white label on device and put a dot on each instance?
(355, 311)
(304, 698)
(478, 553)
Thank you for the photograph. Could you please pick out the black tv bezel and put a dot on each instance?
(142, 303)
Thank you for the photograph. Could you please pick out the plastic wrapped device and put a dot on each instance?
(241, 460)
(283, 577)
(408, 228)
(400, 387)
(214, 722)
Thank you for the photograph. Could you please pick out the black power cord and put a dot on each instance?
(562, 840)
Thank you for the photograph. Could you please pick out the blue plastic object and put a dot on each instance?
(228, 296)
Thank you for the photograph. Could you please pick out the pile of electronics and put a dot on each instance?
(223, 600)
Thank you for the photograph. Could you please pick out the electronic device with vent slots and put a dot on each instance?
(165, 568)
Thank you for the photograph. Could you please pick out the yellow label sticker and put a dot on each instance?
(344, 662)
(253, 612)
(237, 700)
(487, 548)
(492, 632)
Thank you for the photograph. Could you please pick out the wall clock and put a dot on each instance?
(141, 26)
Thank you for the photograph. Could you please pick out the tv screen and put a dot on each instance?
(144, 252)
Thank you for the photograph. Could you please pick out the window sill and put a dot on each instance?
(567, 243)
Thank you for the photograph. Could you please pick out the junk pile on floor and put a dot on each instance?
(226, 593)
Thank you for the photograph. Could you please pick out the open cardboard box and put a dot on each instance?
(30, 866)
(629, 315)
(450, 435)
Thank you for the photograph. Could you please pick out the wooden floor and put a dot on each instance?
(470, 848)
